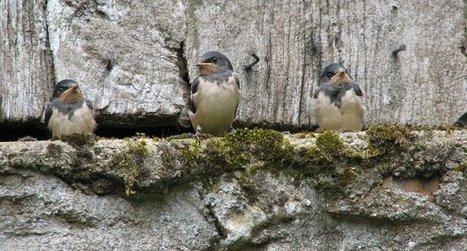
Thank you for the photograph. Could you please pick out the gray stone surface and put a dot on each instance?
(132, 58)
(41, 212)
(190, 194)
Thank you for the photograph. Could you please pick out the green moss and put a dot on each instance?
(224, 153)
(260, 149)
(265, 145)
(192, 153)
(80, 139)
(385, 138)
(310, 156)
(254, 167)
(130, 161)
(462, 168)
(330, 163)
(347, 176)
(330, 143)
(239, 148)
(329, 146)
(307, 135)
(195, 149)
(249, 187)
(54, 150)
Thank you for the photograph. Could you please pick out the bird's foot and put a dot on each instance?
(200, 135)
(198, 132)
(231, 129)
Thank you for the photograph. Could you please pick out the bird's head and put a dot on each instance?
(212, 61)
(335, 74)
(68, 91)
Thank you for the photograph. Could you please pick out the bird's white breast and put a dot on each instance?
(215, 105)
(82, 121)
(348, 117)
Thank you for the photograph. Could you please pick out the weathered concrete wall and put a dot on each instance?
(385, 189)
(132, 58)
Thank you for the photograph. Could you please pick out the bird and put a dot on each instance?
(215, 95)
(462, 121)
(337, 103)
(68, 112)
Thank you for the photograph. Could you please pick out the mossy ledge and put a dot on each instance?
(329, 160)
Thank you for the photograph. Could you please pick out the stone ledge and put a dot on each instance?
(387, 187)
(328, 159)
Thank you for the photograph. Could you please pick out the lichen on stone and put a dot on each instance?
(462, 168)
(54, 150)
(329, 143)
(326, 160)
(238, 149)
(80, 139)
(386, 138)
(130, 161)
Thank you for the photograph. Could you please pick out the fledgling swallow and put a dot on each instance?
(68, 111)
(462, 121)
(338, 100)
(215, 95)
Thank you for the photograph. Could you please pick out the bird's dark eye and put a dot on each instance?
(330, 74)
(214, 60)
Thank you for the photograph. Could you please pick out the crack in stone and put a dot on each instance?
(48, 52)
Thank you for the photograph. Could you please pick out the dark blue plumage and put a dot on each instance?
(337, 102)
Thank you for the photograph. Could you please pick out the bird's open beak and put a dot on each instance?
(71, 95)
(341, 78)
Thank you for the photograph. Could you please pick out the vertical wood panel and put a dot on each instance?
(25, 60)
(129, 56)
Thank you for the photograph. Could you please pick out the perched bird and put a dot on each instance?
(462, 121)
(68, 111)
(215, 95)
(337, 104)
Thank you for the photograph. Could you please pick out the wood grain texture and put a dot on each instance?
(124, 55)
(133, 59)
(425, 84)
(25, 60)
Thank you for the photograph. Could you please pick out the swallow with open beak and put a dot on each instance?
(215, 95)
(68, 111)
(337, 104)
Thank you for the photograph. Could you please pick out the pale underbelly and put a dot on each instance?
(216, 111)
(82, 121)
(347, 117)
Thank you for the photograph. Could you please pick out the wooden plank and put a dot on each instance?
(25, 60)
